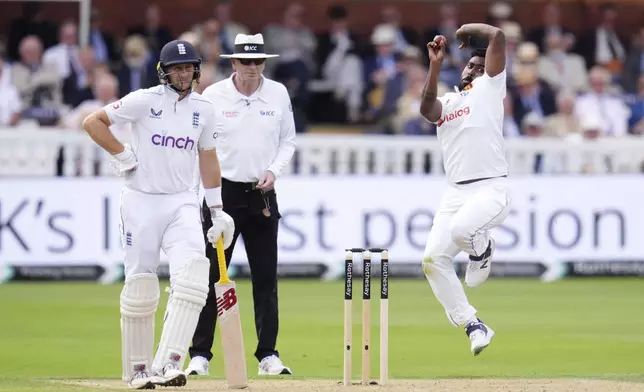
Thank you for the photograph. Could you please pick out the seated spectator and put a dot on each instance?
(564, 122)
(405, 35)
(380, 68)
(153, 30)
(340, 69)
(532, 125)
(155, 35)
(65, 57)
(499, 12)
(510, 126)
(295, 44)
(634, 67)
(39, 85)
(83, 89)
(406, 72)
(135, 59)
(513, 36)
(636, 121)
(609, 109)
(532, 96)
(105, 90)
(9, 101)
(210, 47)
(228, 28)
(560, 68)
(527, 58)
(602, 45)
(407, 118)
(551, 23)
(104, 44)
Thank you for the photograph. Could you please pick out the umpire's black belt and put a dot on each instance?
(237, 186)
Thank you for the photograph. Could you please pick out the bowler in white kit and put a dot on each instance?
(171, 124)
(469, 127)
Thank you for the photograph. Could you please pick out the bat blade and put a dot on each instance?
(232, 339)
(230, 330)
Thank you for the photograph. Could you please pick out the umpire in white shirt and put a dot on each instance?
(255, 140)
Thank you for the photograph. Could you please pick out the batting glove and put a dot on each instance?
(125, 162)
(222, 223)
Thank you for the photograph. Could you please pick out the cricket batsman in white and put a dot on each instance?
(469, 127)
(170, 123)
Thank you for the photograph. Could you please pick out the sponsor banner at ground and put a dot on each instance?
(592, 225)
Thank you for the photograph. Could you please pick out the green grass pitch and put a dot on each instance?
(588, 328)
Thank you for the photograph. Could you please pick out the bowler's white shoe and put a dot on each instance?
(170, 376)
(198, 367)
(480, 335)
(141, 380)
(478, 270)
(272, 366)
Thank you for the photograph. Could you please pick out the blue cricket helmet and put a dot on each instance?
(178, 52)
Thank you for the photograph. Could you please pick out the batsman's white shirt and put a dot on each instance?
(159, 207)
(470, 130)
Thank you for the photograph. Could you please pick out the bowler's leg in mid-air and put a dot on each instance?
(462, 223)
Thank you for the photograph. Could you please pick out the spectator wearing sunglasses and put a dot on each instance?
(255, 141)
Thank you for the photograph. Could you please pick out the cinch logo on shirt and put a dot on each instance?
(455, 115)
(169, 141)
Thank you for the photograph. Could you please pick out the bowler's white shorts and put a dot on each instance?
(151, 222)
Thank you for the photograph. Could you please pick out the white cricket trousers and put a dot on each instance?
(462, 223)
(151, 222)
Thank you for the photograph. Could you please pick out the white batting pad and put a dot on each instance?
(189, 290)
(139, 300)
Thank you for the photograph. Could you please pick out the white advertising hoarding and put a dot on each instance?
(76, 221)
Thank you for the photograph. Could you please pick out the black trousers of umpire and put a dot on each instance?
(246, 206)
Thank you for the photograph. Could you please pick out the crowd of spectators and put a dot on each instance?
(559, 84)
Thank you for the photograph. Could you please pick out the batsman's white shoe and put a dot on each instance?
(478, 270)
(480, 335)
(170, 376)
(272, 366)
(198, 367)
(141, 380)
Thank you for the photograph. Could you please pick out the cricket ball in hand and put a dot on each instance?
(440, 41)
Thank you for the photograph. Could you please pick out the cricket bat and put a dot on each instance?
(230, 330)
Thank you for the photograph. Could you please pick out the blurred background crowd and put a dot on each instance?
(560, 83)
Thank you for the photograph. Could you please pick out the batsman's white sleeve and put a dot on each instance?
(208, 138)
(128, 109)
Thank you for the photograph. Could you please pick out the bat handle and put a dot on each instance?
(221, 261)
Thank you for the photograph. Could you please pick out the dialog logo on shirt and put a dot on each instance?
(230, 114)
(155, 114)
(452, 116)
(269, 113)
(181, 143)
